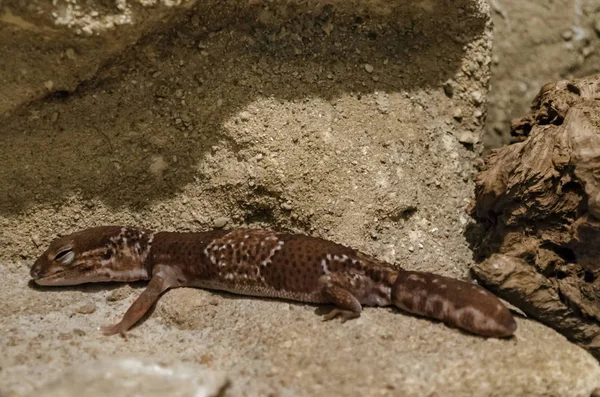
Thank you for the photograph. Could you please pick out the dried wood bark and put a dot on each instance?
(537, 206)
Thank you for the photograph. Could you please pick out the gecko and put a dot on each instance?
(264, 263)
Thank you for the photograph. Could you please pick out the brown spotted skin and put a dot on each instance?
(264, 263)
(455, 302)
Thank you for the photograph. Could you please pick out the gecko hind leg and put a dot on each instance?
(347, 306)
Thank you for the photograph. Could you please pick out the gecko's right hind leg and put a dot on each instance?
(347, 306)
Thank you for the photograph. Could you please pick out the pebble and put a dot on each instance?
(220, 222)
(458, 115)
(245, 116)
(449, 88)
(567, 35)
(158, 166)
(587, 51)
(117, 295)
(70, 53)
(88, 308)
(49, 84)
(597, 29)
(54, 117)
(468, 137)
(286, 206)
(477, 97)
(369, 68)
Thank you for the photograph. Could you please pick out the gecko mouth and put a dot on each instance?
(55, 279)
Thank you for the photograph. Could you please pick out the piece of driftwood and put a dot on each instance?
(537, 208)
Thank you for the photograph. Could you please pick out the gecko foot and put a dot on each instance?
(345, 315)
(113, 330)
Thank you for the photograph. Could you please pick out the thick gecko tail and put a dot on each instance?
(456, 303)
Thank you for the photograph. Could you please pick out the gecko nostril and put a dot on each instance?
(35, 271)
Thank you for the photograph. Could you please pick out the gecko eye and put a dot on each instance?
(66, 257)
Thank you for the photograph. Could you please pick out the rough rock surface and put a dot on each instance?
(127, 377)
(538, 202)
(275, 347)
(358, 121)
(51, 47)
(535, 43)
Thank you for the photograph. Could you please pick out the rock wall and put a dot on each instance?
(536, 43)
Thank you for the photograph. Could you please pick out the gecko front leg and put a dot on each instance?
(160, 282)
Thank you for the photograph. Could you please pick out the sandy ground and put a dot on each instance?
(537, 43)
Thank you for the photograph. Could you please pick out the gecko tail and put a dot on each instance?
(456, 303)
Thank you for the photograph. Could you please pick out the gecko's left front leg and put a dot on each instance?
(160, 282)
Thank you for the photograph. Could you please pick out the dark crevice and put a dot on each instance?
(566, 254)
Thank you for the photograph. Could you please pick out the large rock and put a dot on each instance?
(271, 347)
(538, 202)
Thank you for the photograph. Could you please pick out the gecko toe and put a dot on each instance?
(113, 330)
(345, 315)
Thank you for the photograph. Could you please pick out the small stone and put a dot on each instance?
(597, 29)
(49, 84)
(567, 35)
(179, 93)
(587, 51)
(35, 239)
(245, 116)
(70, 53)
(477, 97)
(411, 248)
(369, 68)
(158, 166)
(286, 206)
(54, 117)
(117, 295)
(220, 222)
(251, 183)
(458, 114)
(468, 138)
(449, 88)
(88, 308)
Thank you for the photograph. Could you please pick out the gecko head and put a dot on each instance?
(106, 253)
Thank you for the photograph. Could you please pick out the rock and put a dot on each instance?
(128, 376)
(245, 116)
(538, 204)
(432, 355)
(449, 87)
(91, 33)
(88, 308)
(220, 222)
(158, 166)
(369, 68)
